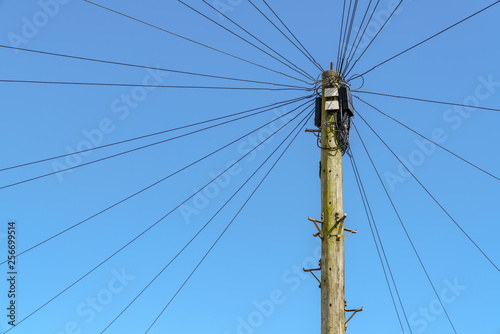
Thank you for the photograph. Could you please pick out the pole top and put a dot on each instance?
(331, 78)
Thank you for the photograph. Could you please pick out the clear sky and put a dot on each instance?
(252, 281)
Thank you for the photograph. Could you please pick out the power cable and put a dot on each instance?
(406, 232)
(373, 39)
(433, 36)
(371, 221)
(154, 184)
(143, 66)
(195, 42)
(357, 34)
(271, 106)
(431, 141)
(256, 38)
(339, 51)
(345, 35)
(128, 151)
(199, 232)
(147, 86)
(224, 231)
(426, 100)
(156, 223)
(293, 35)
(431, 196)
(362, 35)
(349, 34)
(270, 21)
(245, 40)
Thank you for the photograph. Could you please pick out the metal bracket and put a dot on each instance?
(352, 315)
(315, 132)
(340, 221)
(312, 273)
(350, 231)
(320, 233)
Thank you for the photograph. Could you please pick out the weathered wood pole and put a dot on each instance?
(332, 253)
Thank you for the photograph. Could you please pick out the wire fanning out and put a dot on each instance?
(355, 49)
(258, 39)
(281, 31)
(339, 50)
(195, 42)
(352, 49)
(426, 100)
(429, 140)
(168, 214)
(348, 38)
(378, 243)
(230, 223)
(147, 86)
(431, 196)
(244, 39)
(429, 38)
(404, 227)
(126, 152)
(293, 35)
(373, 39)
(199, 232)
(269, 107)
(144, 66)
(148, 187)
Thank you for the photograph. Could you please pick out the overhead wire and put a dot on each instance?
(160, 220)
(257, 39)
(155, 68)
(200, 230)
(126, 152)
(345, 34)
(339, 51)
(280, 157)
(227, 227)
(425, 100)
(349, 34)
(375, 37)
(245, 40)
(193, 41)
(429, 140)
(154, 184)
(371, 221)
(349, 60)
(404, 229)
(285, 35)
(293, 35)
(71, 83)
(432, 196)
(271, 106)
(357, 35)
(431, 37)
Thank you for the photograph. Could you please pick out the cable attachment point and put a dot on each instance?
(320, 233)
(312, 273)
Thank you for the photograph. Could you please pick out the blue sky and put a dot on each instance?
(252, 281)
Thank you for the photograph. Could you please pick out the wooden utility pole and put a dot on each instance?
(332, 252)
